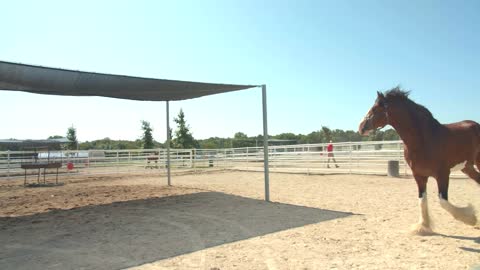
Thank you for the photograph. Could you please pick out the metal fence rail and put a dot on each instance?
(351, 157)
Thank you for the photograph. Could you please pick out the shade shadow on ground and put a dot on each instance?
(126, 234)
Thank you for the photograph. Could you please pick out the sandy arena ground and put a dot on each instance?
(219, 221)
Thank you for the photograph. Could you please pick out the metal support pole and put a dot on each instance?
(265, 143)
(168, 144)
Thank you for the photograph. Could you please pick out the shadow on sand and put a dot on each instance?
(126, 234)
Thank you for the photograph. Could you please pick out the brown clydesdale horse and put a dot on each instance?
(431, 149)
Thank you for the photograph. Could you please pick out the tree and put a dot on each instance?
(72, 137)
(241, 139)
(54, 137)
(210, 143)
(390, 135)
(326, 134)
(183, 137)
(147, 138)
(108, 144)
(287, 136)
(313, 137)
(376, 135)
(240, 136)
(353, 136)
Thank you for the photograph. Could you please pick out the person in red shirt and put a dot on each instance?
(330, 155)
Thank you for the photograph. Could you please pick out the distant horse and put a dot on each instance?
(153, 157)
(431, 149)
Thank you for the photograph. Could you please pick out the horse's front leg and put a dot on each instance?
(423, 227)
(464, 214)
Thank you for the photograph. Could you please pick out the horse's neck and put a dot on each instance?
(411, 127)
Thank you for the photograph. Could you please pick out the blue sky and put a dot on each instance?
(322, 61)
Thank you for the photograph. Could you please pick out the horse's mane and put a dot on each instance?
(397, 94)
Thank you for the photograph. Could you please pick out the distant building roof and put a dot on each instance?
(34, 143)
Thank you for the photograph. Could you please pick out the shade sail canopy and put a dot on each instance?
(55, 81)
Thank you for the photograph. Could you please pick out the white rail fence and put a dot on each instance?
(351, 157)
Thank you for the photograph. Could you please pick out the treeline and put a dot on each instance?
(240, 139)
(182, 138)
(321, 136)
(109, 144)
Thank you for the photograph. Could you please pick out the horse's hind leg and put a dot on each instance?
(470, 171)
(423, 227)
(464, 214)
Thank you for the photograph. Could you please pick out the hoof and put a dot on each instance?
(463, 214)
(421, 229)
(467, 215)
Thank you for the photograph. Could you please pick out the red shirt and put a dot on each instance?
(330, 148)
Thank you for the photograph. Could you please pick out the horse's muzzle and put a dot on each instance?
(364, 127)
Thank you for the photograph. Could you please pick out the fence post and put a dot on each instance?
(88, 161)
(8, 164)
(308, 154)
(350, 159)
(191, 158)
(401, 159)
(225, 158)
(118, 165)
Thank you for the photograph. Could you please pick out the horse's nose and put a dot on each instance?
(361, 131)
(363, 127)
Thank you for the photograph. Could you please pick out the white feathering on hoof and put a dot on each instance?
(421, 229)
(423, 226)
(464, 214)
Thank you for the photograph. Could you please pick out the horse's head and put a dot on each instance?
(376, 117)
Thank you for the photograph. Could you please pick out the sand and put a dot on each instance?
(220, 221)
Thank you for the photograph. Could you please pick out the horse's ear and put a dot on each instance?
(380, 94)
